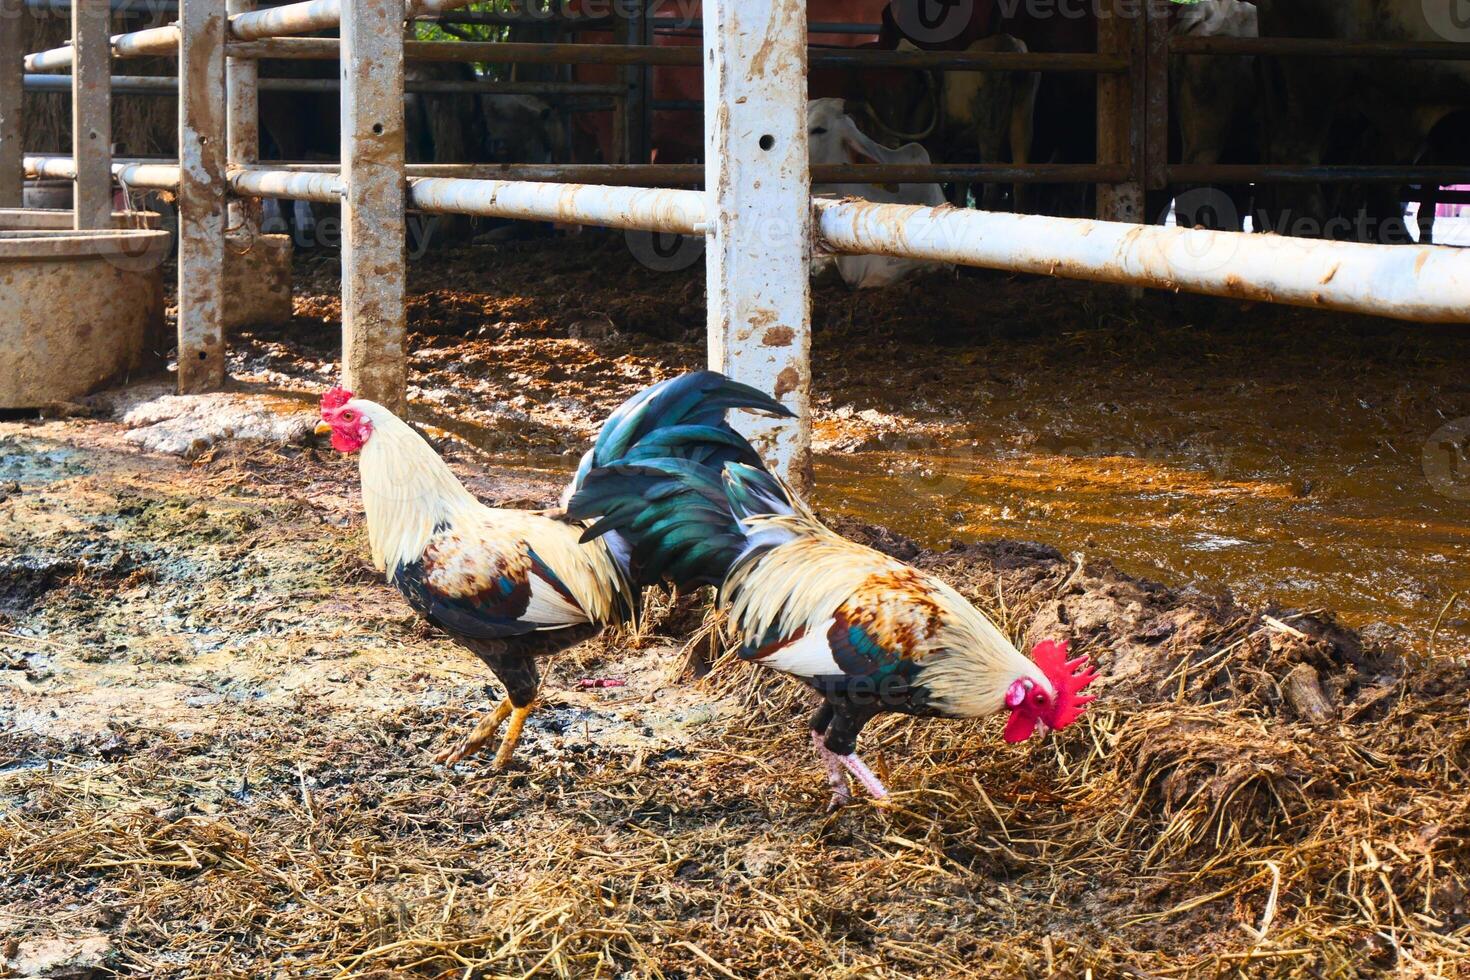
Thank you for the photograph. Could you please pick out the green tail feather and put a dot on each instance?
(681, 418)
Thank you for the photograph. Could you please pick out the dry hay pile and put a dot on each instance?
(1212, 815)
(142, 124)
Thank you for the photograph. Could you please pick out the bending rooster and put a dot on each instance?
(515, 585)
(867, 632)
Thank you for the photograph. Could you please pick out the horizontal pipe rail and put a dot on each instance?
(169, 85)
(666, 174)
(324, 188)
(627, 175)
(573, 20)
(138, 174)
(150, 7)
(812, 27)
(1421, 283)
(316, 15)
(646, 209)
(504, 52)
(1317, 47)
(294, 18)
(1424, 283)
(688, 56)
(137, 44)
(1245, 173)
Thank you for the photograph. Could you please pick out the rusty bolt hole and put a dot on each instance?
(377, 129)
(203, 356)
(767, 141)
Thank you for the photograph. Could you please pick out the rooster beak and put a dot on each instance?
(323, 429)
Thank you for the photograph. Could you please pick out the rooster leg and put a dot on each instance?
(512, 736)
(841, 743)
(477, 739)
(864, 775)
(841, 796)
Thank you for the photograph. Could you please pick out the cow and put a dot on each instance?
(833, 137)
(1214, 106)
(1339, 110)
(475, 127)
(959, 116)
(1064, 120)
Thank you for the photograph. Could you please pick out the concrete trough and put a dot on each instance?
(60, 219)
(257, 280)
(78, 311)
(257, 267)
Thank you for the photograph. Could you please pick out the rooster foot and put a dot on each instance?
(864, 775)
(512, 736)
(476, 740)
(835, 779)
(834, 765)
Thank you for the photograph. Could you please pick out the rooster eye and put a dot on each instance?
(348, 416)
(1039, 697)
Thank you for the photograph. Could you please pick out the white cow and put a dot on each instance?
(1213, 95)
(833, 137)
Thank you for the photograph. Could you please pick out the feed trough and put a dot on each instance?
(77, 310)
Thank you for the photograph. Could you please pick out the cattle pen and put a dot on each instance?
(756, 210)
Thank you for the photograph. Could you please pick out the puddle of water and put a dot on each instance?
(1367, 540)
(32, 461)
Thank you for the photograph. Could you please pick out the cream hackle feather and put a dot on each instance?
(967, 664)
(408, 491)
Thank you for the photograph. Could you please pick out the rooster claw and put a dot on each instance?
(476, 740)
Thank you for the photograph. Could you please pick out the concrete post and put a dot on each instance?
(203, 26)
(91, 113)
(758, 184)
(374, 316)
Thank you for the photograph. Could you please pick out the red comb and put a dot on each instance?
(1068, 677)
(335, 399)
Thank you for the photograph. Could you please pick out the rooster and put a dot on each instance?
(514, 585)
(869, 633)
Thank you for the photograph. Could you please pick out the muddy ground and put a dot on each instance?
(217, 725)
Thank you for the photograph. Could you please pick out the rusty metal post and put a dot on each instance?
(1120, 102)
(373, 267)
(1156, 86)
(759, 188)
(12, 96)
(202, 25)
(91, 113)
(243, 121)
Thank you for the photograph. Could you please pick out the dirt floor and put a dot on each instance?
(217, 725)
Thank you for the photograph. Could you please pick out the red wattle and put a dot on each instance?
(1020, 727)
